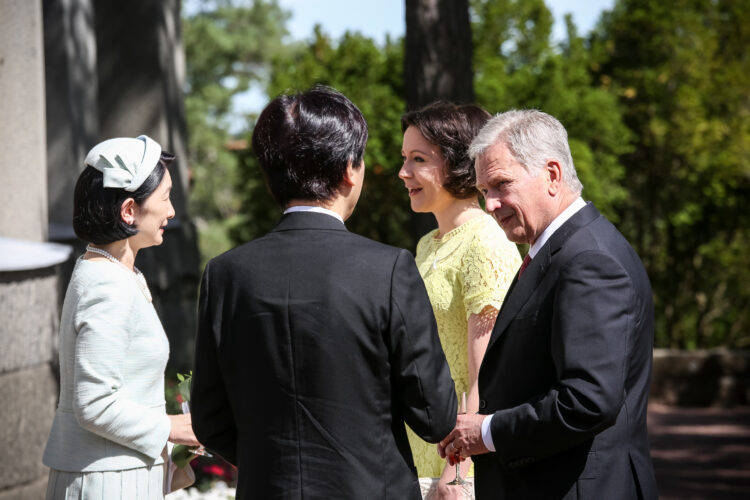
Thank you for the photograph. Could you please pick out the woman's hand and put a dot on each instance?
(445, 492)
(181, 431)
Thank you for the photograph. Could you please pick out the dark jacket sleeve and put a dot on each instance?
(421, 377)
(591, 325)
(213, 421)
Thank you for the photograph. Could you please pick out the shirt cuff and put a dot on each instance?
(487, 433)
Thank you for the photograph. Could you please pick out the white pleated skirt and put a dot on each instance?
(144, 483)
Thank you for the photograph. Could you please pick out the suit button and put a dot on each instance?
(482, 403)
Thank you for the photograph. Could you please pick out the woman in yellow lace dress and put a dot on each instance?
(467, 263)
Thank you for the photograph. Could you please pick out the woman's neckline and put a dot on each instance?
(456, 230)
(140, 279)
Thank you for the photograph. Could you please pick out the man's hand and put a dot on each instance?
(465, 439)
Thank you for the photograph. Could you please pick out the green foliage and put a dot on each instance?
(184, 385)
(656, 104)
(171, 391)
(371, 76)
(681, 71)
(517, 67)
(228, 45)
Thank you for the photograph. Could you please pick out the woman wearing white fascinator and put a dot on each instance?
(111, 427)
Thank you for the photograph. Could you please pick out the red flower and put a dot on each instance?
(179, 398)
(214, 469)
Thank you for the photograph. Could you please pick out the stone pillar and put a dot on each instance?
(28, 294)
(23, 164)
(140, 72)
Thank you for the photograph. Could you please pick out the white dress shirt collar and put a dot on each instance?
(320, 210)
(566, 214)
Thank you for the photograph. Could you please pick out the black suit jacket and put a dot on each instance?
(567, 372)
(314, 346)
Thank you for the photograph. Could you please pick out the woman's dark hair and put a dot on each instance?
(96, 209)
(305, 141)
(451, 127)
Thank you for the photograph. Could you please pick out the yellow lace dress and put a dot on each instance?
(468, 269)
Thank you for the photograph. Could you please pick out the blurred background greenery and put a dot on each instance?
(656, 101)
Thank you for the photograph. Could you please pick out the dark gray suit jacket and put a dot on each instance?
(314, 346)
(567, 372)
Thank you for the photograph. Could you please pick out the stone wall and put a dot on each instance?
(28, 383)
(72, 119)
(716, 377)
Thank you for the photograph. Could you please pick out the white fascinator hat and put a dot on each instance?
(125, 162)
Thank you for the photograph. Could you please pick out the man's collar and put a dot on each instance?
(566, 214)
(309, 208)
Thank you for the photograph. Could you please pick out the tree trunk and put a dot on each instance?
(437, 63)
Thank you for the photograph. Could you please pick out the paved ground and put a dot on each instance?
(698, 454)
(701, 453)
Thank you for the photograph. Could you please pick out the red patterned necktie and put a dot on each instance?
(524, 264)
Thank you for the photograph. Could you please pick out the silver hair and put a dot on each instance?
(533, 138)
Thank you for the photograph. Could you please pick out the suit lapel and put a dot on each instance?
(519, 292)
(521, 289)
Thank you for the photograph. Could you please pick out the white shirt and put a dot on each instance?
(307, 208)
(561, 219)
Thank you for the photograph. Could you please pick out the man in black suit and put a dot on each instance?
(564, 383)
(315, 345)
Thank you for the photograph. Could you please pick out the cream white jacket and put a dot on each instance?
(113, 351)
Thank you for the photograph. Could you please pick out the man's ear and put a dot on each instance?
(127, 211)
(553, 170)
(349, 175)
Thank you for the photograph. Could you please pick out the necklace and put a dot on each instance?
(139, 278)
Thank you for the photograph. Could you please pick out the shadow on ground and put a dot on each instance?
(700, 453)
